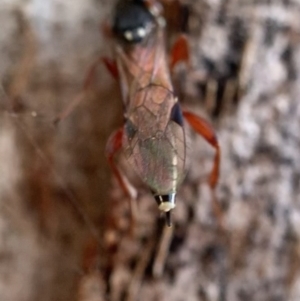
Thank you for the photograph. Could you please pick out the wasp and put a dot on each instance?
(152, 136)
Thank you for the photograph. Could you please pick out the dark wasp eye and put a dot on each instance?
(132, 21)
(176, 114)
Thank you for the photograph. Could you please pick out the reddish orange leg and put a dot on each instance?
(111, 66)
(204, 129)
(180, 51)
(87, 83)
(114, 144)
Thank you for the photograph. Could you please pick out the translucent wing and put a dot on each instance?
(158, 159)
(142, 65)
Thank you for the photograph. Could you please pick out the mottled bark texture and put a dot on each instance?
(63, 218)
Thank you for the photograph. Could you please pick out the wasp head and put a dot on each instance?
(133, 21)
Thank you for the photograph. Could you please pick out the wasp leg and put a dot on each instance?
(204, 129)
(111, 66)
(114, 144)
(89, 77)
(180, 51)
(140, 268)
(87, 83)
(162, 251)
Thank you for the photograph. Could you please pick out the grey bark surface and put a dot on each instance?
(59, 205)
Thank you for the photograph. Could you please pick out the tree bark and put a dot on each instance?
(64, 226)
